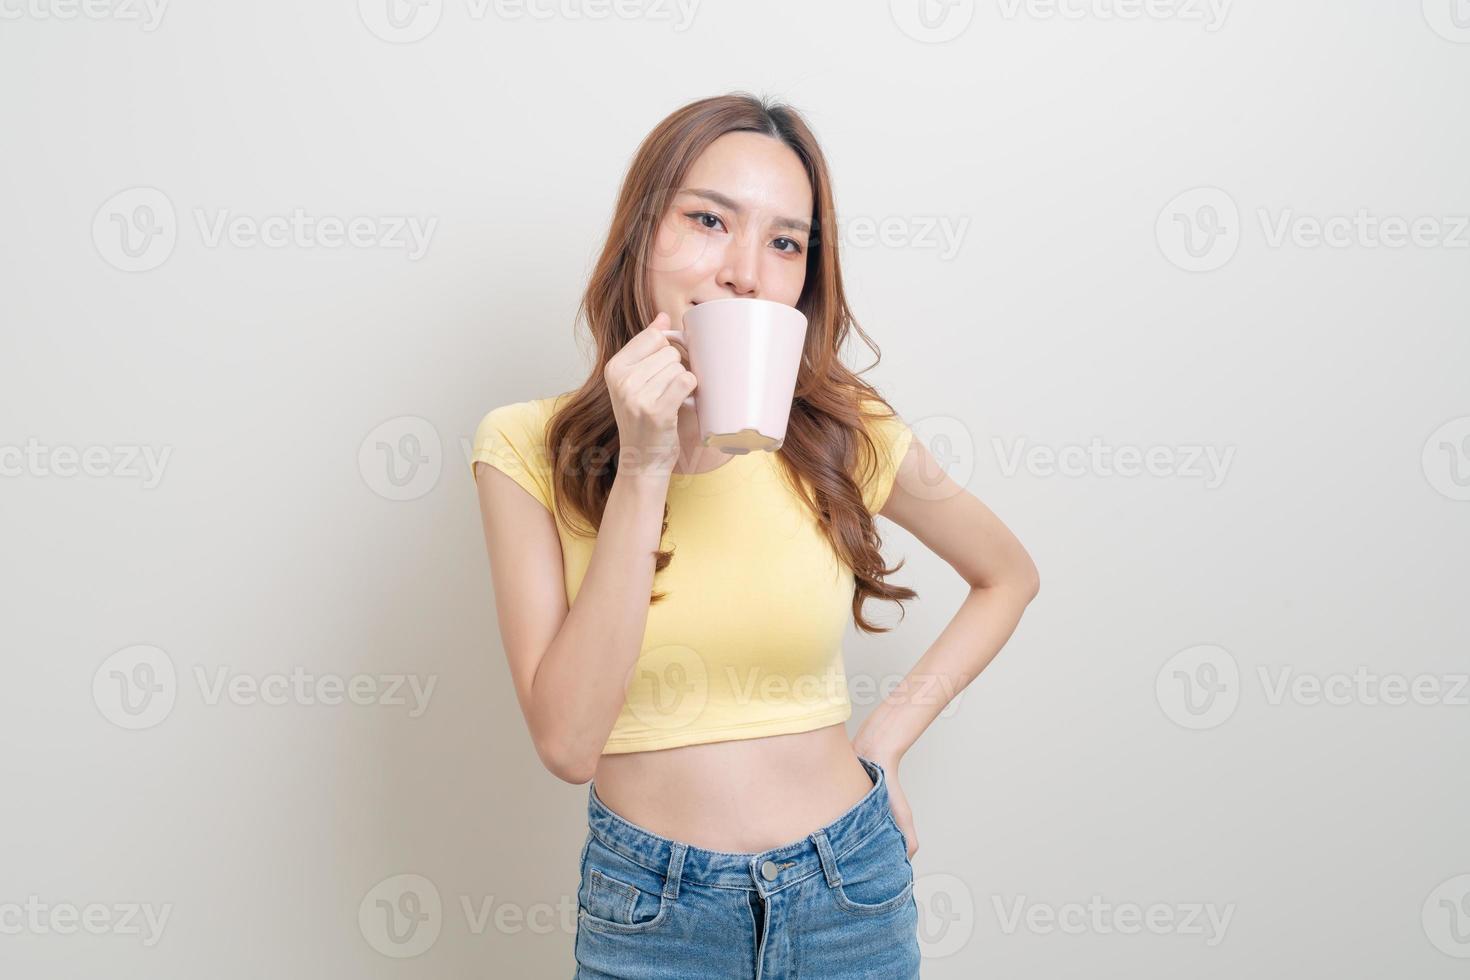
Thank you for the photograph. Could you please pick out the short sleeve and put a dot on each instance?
(511, 438)
(891, 436)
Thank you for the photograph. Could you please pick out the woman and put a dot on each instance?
(673, 615)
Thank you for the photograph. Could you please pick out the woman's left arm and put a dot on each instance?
(957, 527)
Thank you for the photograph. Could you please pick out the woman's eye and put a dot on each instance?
(700, 216)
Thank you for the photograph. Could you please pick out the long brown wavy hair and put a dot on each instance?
(827, 448)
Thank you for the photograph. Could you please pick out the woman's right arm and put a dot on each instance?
(571, 666)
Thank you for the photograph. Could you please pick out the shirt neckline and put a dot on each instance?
(736, 467)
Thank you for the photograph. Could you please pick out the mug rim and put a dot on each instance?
(750, 299)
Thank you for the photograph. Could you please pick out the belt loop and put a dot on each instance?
(829, 863)
(676, 870)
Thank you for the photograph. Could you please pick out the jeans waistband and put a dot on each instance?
(764, 871)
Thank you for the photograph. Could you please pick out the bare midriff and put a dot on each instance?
(739, 796)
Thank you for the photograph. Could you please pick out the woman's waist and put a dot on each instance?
(739, 796)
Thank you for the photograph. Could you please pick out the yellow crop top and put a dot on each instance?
(748, 639)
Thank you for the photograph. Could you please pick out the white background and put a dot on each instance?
(1080, 764)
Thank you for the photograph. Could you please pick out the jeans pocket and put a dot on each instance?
(876, 875)
(617, 894)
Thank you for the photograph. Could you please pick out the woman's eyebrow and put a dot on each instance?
(729, 202)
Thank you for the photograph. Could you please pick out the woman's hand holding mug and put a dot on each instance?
(647, 383)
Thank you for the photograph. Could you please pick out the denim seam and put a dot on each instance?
(865, 838)
(622, 853)
(619, 850)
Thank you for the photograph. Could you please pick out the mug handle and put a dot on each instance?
(679, 336)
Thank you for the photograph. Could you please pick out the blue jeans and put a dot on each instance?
(836, 905)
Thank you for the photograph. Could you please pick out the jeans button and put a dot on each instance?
(768, 871)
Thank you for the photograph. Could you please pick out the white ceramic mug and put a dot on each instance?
(746, 354)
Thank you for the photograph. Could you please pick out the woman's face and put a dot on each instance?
(739, 226)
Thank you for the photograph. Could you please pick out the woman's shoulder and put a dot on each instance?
(512, 438)
(529, 412)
